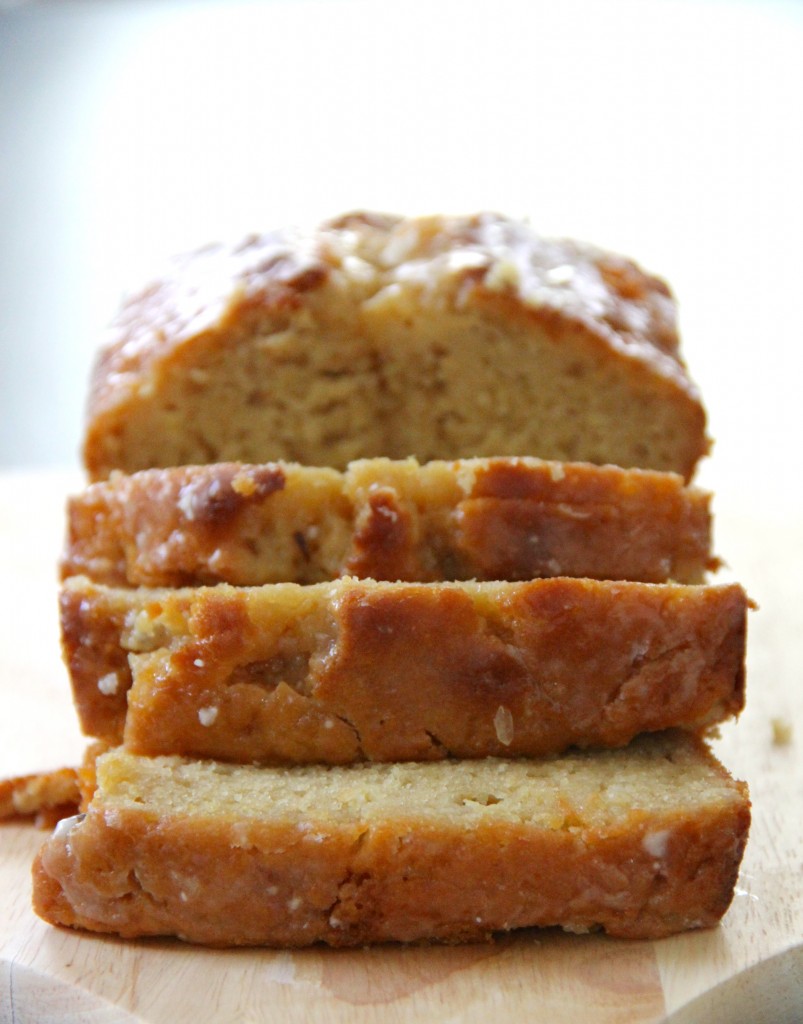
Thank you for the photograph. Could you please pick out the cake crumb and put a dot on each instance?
(243, 483)
(782, 732)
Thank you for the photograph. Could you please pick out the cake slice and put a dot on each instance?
(641, 842)
(488, 519)
(375, 335)
(356, 669)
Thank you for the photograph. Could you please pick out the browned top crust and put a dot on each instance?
(642, 842)
(330, 303)
(607, 292)
(473, 519)
(272, 272)
(355, 670)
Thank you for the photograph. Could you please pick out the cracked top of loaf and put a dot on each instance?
(438, 337)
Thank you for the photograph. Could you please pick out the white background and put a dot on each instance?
(668, 130)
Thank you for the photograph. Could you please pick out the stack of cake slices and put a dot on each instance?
(387, 603)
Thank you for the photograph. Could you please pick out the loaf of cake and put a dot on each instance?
(642, 842)
(388, 593)
(374, 335)
(489, 519)
(351, 670)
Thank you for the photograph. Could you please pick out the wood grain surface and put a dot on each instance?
(51, 975)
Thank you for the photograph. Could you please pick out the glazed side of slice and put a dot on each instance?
(355, 669)
(490, 519)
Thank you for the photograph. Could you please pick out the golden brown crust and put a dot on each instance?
(472, 519)
(453, 865)
(356, 669)
(441, 337)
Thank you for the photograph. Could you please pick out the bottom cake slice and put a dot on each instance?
(642, 842)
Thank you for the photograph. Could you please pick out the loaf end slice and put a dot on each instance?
(642, 842)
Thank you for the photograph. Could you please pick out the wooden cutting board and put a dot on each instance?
(49, 975)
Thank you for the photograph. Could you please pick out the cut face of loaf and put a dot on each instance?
(473, 519)
(353, 670)
(437, 337)
(642, 842)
